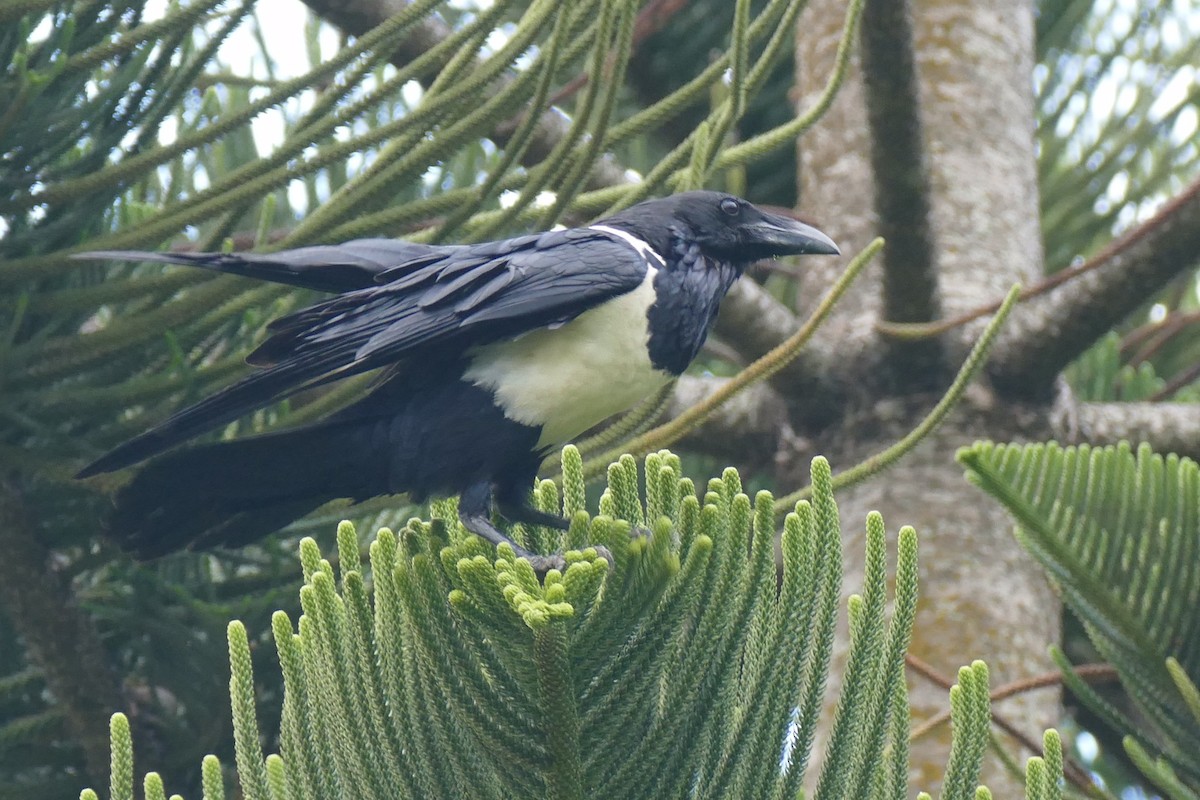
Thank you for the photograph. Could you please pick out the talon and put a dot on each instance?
(543, 564)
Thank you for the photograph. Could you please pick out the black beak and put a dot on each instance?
(782, 236)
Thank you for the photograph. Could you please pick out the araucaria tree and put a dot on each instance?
(990, 143)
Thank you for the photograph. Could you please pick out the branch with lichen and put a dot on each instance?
(1050, 331)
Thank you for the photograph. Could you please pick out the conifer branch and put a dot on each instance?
(969, 707)
(187, 18)
(248, 751)
(971, 367)
(1092, 673)
(1072, 771)
(522, 135)
(467, 675)
(18, 8)
(596, 108)
(1166, 427)
(120, 782)
(138, 163)
(361, 16)
(758, 146)
(1050, 332)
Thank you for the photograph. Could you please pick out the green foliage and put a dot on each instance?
(1043, 774)
(1116, 95)
(123, 129)
(1105, 371)
(1117, 532)
(686, 667)
(674, 55)
(1101, 374)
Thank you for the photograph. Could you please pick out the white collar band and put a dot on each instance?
(647, 252)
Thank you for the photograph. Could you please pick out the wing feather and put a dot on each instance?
(326, 268)
(445, 302)
(456, 286)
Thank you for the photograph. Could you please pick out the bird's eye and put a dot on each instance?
(731, 206)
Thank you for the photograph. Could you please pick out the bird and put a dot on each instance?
(489, 356)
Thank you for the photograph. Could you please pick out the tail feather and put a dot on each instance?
(325, 268)
(239, 398)
(232, 493)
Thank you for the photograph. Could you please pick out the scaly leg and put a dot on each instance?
(474, 510)
(517, 509)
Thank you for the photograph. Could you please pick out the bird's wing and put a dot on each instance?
(436, 306)
(325, 268)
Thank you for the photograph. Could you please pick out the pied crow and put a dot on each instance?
(490, 355)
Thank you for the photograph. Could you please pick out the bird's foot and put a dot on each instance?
(638, 532)
(542, 564)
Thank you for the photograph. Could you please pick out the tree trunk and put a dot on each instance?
(982, 597)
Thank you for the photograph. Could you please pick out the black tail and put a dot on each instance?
(231, 493)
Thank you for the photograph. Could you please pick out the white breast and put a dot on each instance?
(572, 377)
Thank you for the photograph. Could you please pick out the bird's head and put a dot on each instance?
(724, 226)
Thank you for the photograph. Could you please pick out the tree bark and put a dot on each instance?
(982, 597)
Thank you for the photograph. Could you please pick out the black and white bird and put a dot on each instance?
(491, 356)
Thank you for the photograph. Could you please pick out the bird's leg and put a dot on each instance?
(475, 511)
(528, 515)
(517, 509)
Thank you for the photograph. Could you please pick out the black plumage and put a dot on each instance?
(493, 354)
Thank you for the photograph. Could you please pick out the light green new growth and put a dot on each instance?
(152, 787)
(245, 725)
(1116, 531)
(120, 785)
(211, 781)
(970, 712)
(688, 666)
(1187, 689)
(1053, 766)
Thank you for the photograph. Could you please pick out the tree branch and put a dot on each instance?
(1166, 427)
(748, 426)
(650, 20)
(1048, 333)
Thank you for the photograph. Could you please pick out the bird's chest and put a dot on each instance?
(572, 377)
